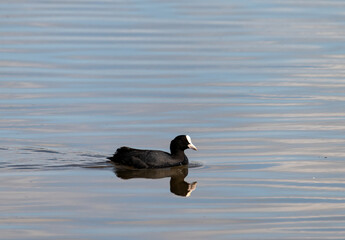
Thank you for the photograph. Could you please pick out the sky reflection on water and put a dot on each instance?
(258, 85)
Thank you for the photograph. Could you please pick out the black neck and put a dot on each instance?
(176, 150)
(178, 154)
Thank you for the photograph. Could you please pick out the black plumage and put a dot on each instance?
(139, 158)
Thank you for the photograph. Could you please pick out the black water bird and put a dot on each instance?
(139, 158)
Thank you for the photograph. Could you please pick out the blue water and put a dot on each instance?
(258, 85)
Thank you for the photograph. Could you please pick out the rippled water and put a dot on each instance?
(259, 86)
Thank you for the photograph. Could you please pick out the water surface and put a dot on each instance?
(258, 85)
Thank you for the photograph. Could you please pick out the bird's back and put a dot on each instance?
(144, 158)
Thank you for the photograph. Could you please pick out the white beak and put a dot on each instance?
(191, 146)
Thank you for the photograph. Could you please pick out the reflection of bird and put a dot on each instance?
(138, 158)
(178, 185)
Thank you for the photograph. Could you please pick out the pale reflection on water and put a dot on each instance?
(258, 85)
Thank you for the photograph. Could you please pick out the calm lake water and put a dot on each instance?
(258, 85)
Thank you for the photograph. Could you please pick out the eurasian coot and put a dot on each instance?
(138, 158)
